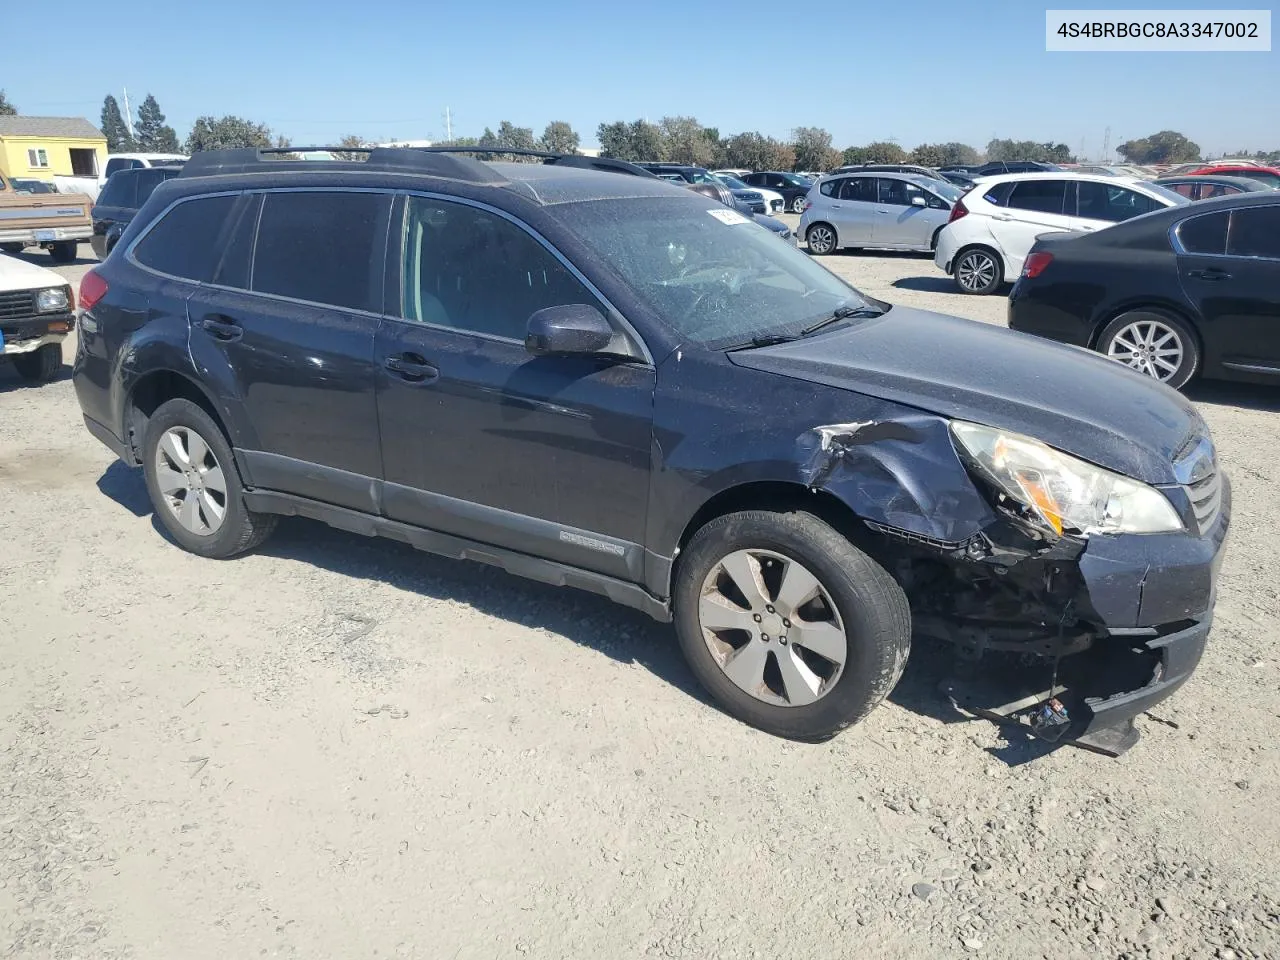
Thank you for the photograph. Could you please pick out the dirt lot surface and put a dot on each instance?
(338, 747)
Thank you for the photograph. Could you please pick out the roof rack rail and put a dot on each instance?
(431, 161)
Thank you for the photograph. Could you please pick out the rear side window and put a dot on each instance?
(147, 181)
(862, 189)
(185, 243)
(1042, 196)
(322, 247)
(121, 163)
(1204, 234)
(1102, 201)
(830, 188)
(1255, 233)
(1187, 190)
(119, 192)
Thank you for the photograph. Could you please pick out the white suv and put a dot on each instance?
(992, 229)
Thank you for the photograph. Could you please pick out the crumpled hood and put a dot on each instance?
(1069, 398)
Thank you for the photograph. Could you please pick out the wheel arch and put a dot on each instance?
(830, 226)
(1145, 303)
(156, 387)
(979, 245)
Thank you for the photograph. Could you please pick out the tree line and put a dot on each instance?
(673, 139)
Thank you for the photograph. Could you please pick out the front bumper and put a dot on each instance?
(29, 334)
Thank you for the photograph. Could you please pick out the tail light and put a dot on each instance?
(807, 204)
(1035, 264)
(958, 211)
(92, 289)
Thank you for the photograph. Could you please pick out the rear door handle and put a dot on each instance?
(1002, 216)
(222, 327)
(411, 368)
(1210, 273)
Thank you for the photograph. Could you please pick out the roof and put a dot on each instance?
(1107, 178)
(549, 184)
(70, 128)
(1243, 182)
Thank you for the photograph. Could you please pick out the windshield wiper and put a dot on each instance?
(840, 313)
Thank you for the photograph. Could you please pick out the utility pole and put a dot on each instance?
(448, 126)
(128, 114)
(1106, 146)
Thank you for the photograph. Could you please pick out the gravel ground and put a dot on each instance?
(338, 747)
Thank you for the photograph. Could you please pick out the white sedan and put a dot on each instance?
(773, 201)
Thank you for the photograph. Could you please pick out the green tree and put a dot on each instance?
(685, 141)
(1029, 150)
(559, 137)
(639, 140)
(813, 149)
(113, 128)
(754, 151)
(151, 134)
(224, 133)
(1167, 146)
(929, 155)
(7, 109)
(959, 153)
(351, 141)
(881, 151)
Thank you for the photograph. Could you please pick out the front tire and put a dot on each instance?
(64, 251)
(40, 366)
(978, 271)
(821, 238)
(1153, 342)
(787, 624)
(195, 486)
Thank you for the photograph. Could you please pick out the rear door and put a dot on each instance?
(1099, 205)
(855, 211)
(286, 329)
(1032, 207)
(545, 455)
(1229, 265)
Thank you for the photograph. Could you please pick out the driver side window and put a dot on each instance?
(472, 270)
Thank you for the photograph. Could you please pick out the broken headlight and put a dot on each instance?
(1061, 492)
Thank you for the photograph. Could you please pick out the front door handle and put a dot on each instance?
(1002, 216)
(1210, 273)
(222, 327)
(411, 368)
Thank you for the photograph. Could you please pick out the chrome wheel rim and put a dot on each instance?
(191, 482)
(797, 205)
(1149, 347)
(976, 271)
(772, 628)
(821, 239)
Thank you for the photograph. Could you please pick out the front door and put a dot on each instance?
(1229, 266)
(290, 339)
(544, 455)
(907, 215)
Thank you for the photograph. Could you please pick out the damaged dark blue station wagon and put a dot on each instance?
(608, 382)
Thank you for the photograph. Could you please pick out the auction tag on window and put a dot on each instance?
(728, 216)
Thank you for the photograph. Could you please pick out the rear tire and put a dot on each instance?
(1150, 340)
(12, 247)
(848, 640)
(821, 238)
(64, 251)
(201, 450)
(978, 271)
(42, 365)
(797, 205)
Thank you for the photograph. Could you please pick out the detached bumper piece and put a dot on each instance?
(1098, 694)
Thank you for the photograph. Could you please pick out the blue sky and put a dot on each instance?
(916, 71)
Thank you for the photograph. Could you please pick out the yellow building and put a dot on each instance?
(44, 147)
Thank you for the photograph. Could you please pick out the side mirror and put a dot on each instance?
(919, 201)
(575, 328)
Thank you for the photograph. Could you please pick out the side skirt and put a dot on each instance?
(459, 548)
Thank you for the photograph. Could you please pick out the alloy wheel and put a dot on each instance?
(822, 239)
(191, 481)
(797, 205)
(772, 627)
(1149, 347)
(976, 271)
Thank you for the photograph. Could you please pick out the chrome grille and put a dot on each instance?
(19, 303)
(1196, 468)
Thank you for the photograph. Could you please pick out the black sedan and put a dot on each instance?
(1186, 291)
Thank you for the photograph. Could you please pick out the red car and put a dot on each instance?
(1268, 175)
